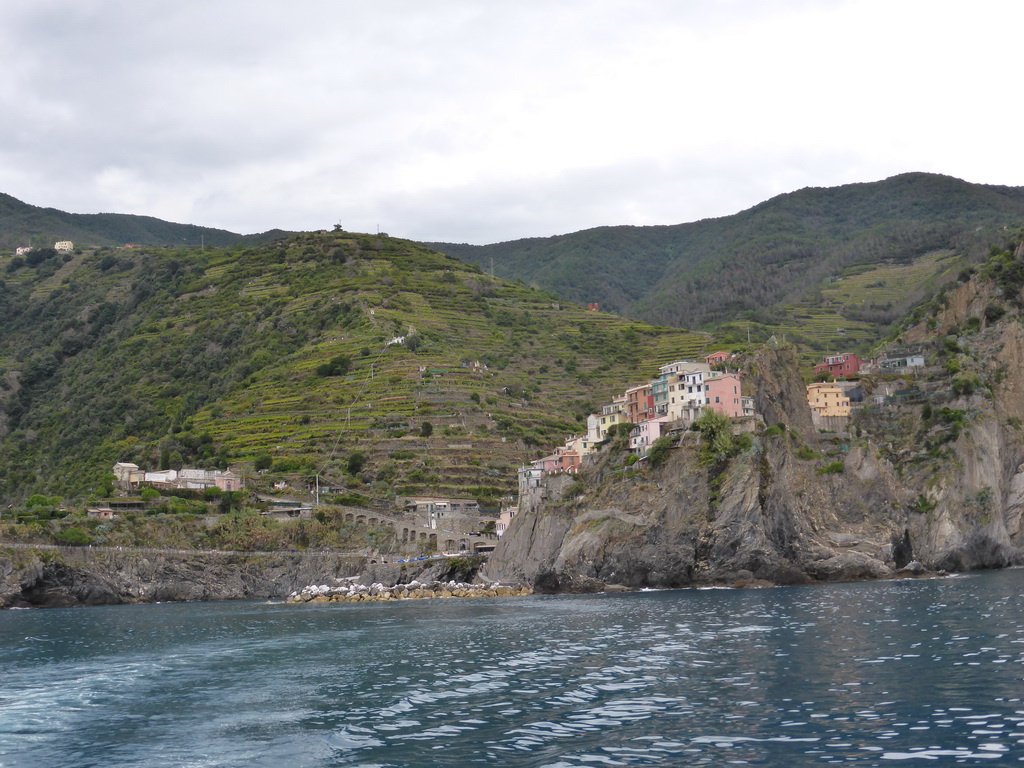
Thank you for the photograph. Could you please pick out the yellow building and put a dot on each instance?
(828, 400)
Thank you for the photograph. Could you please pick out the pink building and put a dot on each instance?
(716, 358)
(724, 394)
(646, 432)
(840, 366)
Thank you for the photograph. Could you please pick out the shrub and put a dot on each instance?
(658, 453)
(574, 489)
(965, 383)
(74, 537)
(832, 468)
(807, 453)
(993, 312)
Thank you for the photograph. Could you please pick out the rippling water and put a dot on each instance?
(870, 674)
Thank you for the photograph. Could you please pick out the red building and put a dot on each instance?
(840, 366)
(717, 357)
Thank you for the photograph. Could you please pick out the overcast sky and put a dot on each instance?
(487, 120)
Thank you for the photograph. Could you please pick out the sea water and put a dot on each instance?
(917, 672)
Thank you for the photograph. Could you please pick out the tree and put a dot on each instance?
(338, 366)
(263, 461)
(355, 463)
(426, 429)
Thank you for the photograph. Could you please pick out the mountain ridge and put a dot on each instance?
(24, 224)
(759, 264)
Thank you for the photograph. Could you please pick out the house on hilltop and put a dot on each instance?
(840, 366)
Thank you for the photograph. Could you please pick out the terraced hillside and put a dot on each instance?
(847, 313)
(371, 364)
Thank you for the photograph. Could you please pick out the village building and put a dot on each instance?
(529, 479)
(129, 477)
(722, 394)
(667, 383)
(828, 399)
(639, 403)
(64, 246)
(840, 366)
(598, 424)
(717, 358)
(897, 362)
(646, 432)
(23, 250)
(504, 520)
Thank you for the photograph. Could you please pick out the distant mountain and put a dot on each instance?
(779, 266)
(23, 224)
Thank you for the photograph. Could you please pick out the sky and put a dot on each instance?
(482, 121)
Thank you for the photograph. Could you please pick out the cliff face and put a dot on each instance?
(936, 478)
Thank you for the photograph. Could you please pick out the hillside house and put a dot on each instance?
(64, 246)
(723, 394)
(666, 386)
(828, 399)
(639, 403)
(128, 475)
(598, 424)
(580, 445)
(504, 520)
(840, 366)
(529, 478)
(899, 362)
(424, 505)
(23, 251)
(646, 432)
(717, 358)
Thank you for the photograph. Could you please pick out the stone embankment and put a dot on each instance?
(354, 593)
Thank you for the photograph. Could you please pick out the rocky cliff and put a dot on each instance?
(63, 577)
(929, 474)
(66, 577)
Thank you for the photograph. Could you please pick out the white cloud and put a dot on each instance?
(465, 121)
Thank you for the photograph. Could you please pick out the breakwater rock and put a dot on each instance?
(414, 590)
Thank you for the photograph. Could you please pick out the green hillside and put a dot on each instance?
(374, 363)
(22, 224)
(774, 267)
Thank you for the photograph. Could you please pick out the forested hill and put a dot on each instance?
(22, 224)
(778, 263)
(374, 363)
